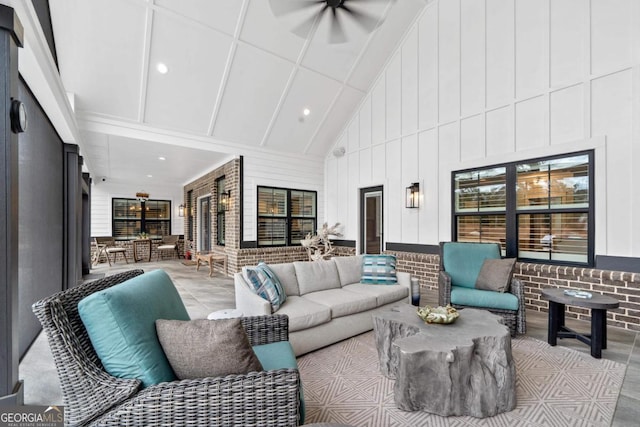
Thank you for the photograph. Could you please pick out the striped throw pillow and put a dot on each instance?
(265, 283)
(379, 269)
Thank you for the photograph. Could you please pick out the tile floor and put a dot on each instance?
(203, 294)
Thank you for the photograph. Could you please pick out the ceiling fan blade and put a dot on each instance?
(303, 29)
(337, 32)
(366, 21)
(283, 7)
(370, 1)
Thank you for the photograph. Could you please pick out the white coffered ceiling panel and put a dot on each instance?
(140, 161)
(101, 52)
(207, 12)
(265, 31)
(196, 56)
(237, 77)
(340, 112)
(384, 41)
(292, 129)
(256, 83)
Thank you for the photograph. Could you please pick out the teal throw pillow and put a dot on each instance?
(266, 284)
(379, 270)
(121, 323)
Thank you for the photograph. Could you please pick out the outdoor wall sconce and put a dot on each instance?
(224, 199)
(413, 196)
(181, 210)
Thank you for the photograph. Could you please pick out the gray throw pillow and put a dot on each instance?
(495, 274)
(207, 348)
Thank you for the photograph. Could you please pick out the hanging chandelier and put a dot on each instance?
(142, 196)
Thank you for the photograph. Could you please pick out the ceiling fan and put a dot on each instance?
(336, 10)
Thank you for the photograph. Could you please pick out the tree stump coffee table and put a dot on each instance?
(465, 368)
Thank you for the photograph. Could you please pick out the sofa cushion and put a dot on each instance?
(316, 276)
(483, 299)
(287, 275)
(379, 269)
(495, 274)
(384, 294)
(120, 322)
(265, 283)
(463, 261)
(280, 355)
(207, 348)
(349, 269)
(304, 313)
(341, 302)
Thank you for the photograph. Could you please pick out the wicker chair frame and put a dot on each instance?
(514, 319)
(93, 397)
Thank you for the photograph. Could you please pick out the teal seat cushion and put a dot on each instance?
(121, 324)
(463, 261)
(483, 299)
(279, 355)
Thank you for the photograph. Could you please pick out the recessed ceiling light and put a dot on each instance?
(162, 68)
(162, 158)
(306, 111)
(149, 176)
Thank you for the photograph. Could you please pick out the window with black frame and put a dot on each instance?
(220, 212)
(285, 216)
(132, 217)
(539, 209)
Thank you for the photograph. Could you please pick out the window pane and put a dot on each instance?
(126, 209)
(556, 183)
(157, 229)
(220, 189)
(272, 202)
(272, 231)
(303, 203)
(483, 190)
(466, 192)
(221, 228)
(126, 230)
(156, 209)
(300, 228)
(492, 193)
(559, 236)
(482, 228)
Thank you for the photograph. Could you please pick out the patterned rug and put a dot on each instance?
(555, 386)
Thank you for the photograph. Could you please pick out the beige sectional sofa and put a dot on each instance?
(326, 302)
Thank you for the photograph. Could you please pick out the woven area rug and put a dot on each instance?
(555, 386)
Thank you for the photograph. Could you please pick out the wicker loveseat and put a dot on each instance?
(460, 265)
(93, 397)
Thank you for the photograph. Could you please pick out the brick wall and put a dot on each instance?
(620, 285)
(207, 185)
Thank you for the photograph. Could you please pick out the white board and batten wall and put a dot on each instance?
(102, 194)
(477, 83)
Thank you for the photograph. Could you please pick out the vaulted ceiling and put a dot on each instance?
(237, 79)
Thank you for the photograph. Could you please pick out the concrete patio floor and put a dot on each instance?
(203, 294)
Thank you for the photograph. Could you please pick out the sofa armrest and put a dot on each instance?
(404, 279)
(517, 289)
(249, 303)
(266, 398)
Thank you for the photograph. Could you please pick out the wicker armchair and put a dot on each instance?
(93, 397)
(514, 319)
